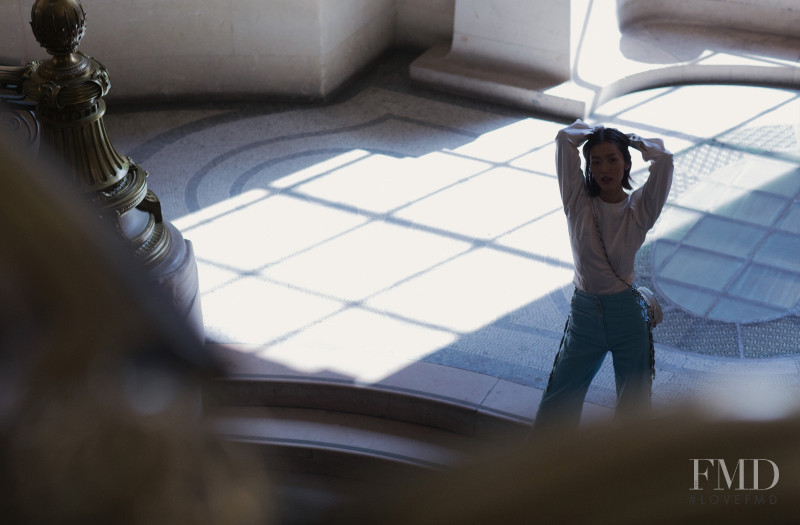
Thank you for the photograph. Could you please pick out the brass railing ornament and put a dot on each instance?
(68, 90)
(65, 93)
(16, 112)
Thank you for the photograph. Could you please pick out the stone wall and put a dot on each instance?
(310, 48)
(208, 48)
(424, 23)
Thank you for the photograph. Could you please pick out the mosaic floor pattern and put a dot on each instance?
(396, 225)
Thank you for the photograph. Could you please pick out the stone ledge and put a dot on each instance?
(643, 56)
(377, 401)
(427, 394)
(436, 69)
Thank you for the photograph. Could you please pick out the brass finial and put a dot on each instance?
(59, 26)
(69, 90)
(63, 98)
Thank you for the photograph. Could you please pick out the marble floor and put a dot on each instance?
(404, 237)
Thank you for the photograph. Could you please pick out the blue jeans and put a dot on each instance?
(598, 324)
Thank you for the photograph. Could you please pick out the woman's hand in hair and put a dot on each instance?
(636, 142)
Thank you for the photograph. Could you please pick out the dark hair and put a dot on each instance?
(612, 136)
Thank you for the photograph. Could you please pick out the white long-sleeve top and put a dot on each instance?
(623, 224)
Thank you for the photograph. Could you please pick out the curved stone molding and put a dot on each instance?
(615, 50)
(695, 74)
(772, 17)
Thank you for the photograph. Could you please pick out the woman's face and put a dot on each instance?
(608, 168)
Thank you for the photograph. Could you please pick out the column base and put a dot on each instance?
(440, 69)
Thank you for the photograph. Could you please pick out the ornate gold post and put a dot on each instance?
(67, 90)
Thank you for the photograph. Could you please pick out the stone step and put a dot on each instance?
(330, 433)
(378, 401)
(318, 460)
(326, 440)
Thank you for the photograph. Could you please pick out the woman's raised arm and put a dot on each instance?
(571, 182)
(655, 190)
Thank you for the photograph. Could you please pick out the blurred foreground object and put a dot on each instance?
(100, 419)
(687, 468)
(62, 97)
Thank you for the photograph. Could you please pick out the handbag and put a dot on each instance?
(654, 313)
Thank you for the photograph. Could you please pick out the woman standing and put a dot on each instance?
(607, 226)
